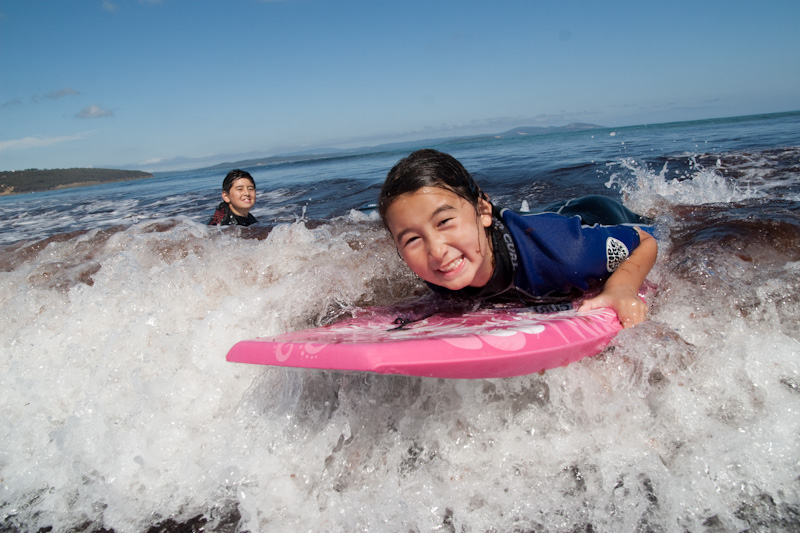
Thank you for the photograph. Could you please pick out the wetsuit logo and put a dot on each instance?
(616, 253)
(512, 249)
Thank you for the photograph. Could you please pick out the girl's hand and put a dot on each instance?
(621, 289)
(630, 309)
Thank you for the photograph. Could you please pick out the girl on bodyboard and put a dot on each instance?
(452, 237)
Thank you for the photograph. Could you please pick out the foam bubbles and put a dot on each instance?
(643, 187)
(114, 374)
(120, 411)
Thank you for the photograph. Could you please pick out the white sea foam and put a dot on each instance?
(120, 411)
(643, 187)
(119, 407)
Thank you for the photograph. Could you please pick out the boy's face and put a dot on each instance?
(241, 197)
(441, 238)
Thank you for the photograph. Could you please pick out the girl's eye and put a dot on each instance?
(444, 221)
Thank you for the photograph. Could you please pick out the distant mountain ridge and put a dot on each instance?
(322, 153)
(539, 130)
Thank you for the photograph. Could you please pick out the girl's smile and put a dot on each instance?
(442, 238)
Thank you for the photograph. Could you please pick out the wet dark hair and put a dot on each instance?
(428, 168)
(234, 175)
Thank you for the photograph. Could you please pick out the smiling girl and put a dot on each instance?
(452, 237)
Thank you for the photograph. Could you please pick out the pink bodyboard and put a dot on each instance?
(481, 344)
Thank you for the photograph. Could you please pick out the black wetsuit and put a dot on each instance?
(224, 217)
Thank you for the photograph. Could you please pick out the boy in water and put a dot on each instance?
(452, 237)
(238, 198)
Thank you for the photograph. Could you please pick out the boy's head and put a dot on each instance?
(234, 175)
(239, 192)
(428, 168)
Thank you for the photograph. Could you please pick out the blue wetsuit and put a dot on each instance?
(565, 250)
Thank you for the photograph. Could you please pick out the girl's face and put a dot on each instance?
(441, 237)
(241, 197)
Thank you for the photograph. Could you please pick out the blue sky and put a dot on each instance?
(167, 84)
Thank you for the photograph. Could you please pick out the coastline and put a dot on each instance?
(33, 180)
(9, 191)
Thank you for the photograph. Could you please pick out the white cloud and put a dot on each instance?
(61, 93)
(38, 142)
(52, 95)
(94, 111)
(109, 6)
(12, 103)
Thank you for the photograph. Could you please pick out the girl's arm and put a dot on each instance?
(621, 291)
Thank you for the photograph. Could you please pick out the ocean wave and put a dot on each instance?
(120, 411)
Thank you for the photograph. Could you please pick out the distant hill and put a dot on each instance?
(287, 158)
(322, 153)
(35, 180)
(575, 126)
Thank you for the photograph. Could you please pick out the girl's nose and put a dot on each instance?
(437, 249)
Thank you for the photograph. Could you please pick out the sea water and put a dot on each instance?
(119, 411)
